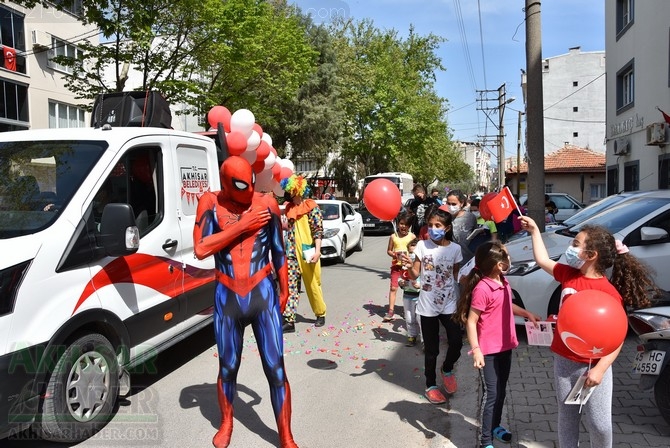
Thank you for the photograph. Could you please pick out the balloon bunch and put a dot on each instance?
(245, 138)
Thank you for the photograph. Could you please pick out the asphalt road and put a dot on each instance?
(354, 383)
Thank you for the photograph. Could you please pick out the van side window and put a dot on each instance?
(135, 180)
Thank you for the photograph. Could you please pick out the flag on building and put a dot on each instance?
(665, 116)
(502, 205)
(10, 58)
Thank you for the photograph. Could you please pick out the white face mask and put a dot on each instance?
(453, 209)
(477, 215)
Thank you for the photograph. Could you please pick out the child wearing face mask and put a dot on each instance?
(436, 264)
(487, 311)
(591, 253)
(463, 221)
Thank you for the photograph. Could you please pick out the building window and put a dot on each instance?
(625, 87)
(575, 134)
(65, 116)
(612, 180)
(624, 15)
(598, 191)
(548, 188)
(664, 171)
(61, 48)
(631, 176)
(13, 106)
(575, 109)
(74, 7)
(12, 41)
(575, 83)
(545, 65)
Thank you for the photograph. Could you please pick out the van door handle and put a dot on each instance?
(169, 244)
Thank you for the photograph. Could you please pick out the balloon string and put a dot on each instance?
(395, 229)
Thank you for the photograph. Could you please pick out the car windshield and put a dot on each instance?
(621, 215)
(330, 211)
(593, 209)
(38, 179)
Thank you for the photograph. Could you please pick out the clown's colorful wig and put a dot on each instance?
(295, 186)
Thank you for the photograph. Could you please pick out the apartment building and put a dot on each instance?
(637, 41)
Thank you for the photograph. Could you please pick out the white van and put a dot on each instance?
(97, 272)
(403, 181)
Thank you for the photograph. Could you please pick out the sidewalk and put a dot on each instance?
(532, 412)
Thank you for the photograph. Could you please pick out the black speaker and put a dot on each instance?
(131, 109)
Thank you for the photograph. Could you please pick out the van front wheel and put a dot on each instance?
(81, 392)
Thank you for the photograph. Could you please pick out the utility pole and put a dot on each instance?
(499, 139)
(518, 157)
(535, 115)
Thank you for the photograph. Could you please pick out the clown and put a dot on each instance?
(242, 229)
(303, 250)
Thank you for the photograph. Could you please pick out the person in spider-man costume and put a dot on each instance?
(242, 229)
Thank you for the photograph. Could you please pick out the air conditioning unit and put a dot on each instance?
(41, 40)
(656, 134)
(621, 147)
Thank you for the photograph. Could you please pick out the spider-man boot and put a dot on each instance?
(222, 437)
(284, 421)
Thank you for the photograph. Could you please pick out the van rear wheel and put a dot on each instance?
(81, 392)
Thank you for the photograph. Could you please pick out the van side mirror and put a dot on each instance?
(118, 231)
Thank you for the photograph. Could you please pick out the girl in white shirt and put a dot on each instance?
(436, 264)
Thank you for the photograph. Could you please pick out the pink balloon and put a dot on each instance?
(219, 114)
(272, 149)
(262, 151)
(237, 143)
(285, 173)
(257, 127)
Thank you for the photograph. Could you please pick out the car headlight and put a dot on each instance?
(647, 323)
(526, 267)
(329, 233)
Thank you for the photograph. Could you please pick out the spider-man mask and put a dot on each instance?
(237, 180)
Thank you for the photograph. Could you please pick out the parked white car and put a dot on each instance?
(566, 204)
(641, 220)
(342, 229)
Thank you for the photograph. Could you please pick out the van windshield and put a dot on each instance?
(38, 179)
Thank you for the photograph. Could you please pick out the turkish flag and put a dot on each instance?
(10, 58)
(502, 205)
(666, 117)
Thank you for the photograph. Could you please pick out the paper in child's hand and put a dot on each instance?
(543, 334)
(579, 394)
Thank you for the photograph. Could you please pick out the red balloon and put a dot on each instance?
(592, 323)
(285, 172)
(262, 151)
(257, 127)
(276, 172)
(237, 143)
(484, 210)
(258, 166)
(219, 114)
(382, 199)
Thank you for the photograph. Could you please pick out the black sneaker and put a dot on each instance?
(288, 327)
(320, 321)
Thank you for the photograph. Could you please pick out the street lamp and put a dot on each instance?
(502, 102)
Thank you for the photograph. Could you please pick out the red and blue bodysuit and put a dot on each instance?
(242, 230)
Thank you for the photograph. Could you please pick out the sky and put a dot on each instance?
(484, 47)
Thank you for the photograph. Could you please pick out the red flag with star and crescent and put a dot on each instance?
(666, 117)
(502, 205)
(10, 58)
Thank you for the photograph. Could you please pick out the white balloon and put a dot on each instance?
(264, 181)
(289, 165)
(253, 141)
(249, 156)
(242, 121)
(266, 138)
(270, 161)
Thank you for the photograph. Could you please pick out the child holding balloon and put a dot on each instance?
(436, 263)
(592, 252)
(487, 311)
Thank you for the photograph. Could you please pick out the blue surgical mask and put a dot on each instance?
(435, 234)
(572, 257)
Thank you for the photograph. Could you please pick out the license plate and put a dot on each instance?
(368, 225)
(649, 363)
